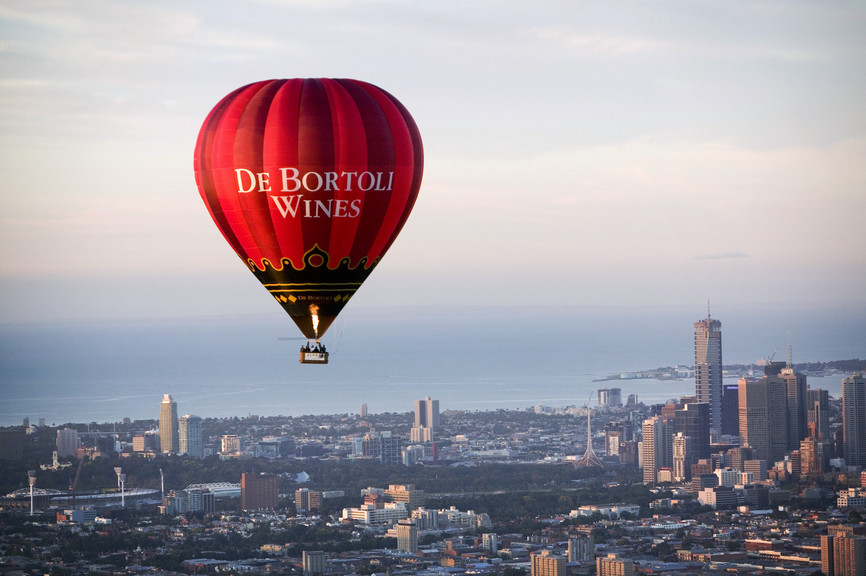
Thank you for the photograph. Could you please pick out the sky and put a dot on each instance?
(576, 152)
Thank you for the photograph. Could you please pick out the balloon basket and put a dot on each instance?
(314, 353)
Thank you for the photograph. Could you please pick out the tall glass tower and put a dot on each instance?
(189, 434)
(708, 369)
(168, 434)
(854, 419)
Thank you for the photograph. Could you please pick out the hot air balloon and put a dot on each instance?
(309, 181)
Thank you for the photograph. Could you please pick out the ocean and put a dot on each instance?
(469, 358)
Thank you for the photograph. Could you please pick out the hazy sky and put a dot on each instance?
(576, 152)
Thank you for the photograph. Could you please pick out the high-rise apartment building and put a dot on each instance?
(490, 542)
(843, 554)
(580, 549)
(546, 563)
(427, 413)
(616, 435)
(708, 369)
(306, 499)
(764, 417)
(67, 442)
(169, 441)
(609, 397)
(613, 566)
(683, 457)
(854, 420)
(258, 491)
(382, 446)
(189, 436)
(230, 444)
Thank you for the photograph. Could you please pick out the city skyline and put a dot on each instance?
(680, 144)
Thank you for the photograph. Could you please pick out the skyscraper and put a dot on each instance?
(708, 369)
(818, 413)
(168, 434)
(854, 420)
(764, 417)
(795, 386)
(427, 413)
(730, 410)
(693, 420)
(656, 448)
(189, 436)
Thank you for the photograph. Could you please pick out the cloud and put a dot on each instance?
(592, 43)
(722, 256)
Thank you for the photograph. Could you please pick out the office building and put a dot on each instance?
(812, 458)
(692, 419)
(616, 435)
(407, 494)
(718, 497)
(818, 413)
(546, 563)
(313, 562)
(169, 441)
(795, 389)
(656, 451)
(854, 420)
(190, 437)
(258, 491)
(407, 536)
(427, 413)
(764, 417)
(613, 566)
(758, 469)
(738, 455)
(730, 409)
(708, 369)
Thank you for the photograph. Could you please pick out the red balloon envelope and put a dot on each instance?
(309, 181)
